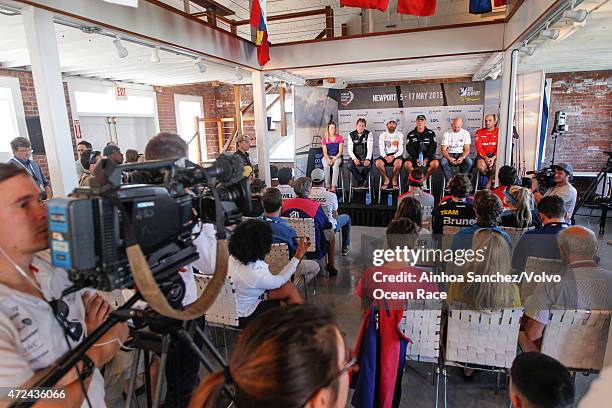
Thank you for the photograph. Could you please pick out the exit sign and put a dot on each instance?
(121, 93)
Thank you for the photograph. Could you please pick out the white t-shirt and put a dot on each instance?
(328, 200)
(391, 144)
(286, 191)
(31, 338)
(206, 244)
(568, 193)
(253, 279)
(454, 141)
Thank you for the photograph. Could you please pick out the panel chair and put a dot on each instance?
(485, 340)
(389, 190)
(353, 188)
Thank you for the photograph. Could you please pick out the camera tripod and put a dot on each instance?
(61, 367)
(603, 201)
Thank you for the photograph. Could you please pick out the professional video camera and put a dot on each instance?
(89, 230)
(545, 177)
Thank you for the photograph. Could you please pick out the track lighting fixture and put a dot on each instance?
(122, 52)
(155, 55)
(198, 63)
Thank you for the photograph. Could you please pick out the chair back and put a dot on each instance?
(115, 298)
(304, 227)
(488, 337)
(539, 265)
(277, 258)
(421, 324)
(577, 338)
(516, 233)
(426, 216)
(224, 310)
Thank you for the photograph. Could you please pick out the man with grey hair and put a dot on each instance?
(455, 149)
(585, 284)
(303, 207)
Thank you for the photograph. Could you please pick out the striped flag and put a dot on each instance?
(258, 20)
(423, 8)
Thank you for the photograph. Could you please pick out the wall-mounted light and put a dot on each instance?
(122, 52)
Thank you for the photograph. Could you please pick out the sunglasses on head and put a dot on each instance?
(74, 330)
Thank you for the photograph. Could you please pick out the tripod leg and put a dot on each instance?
(603, 218)
(211, 348)
(162, 369)
(147, 363)
(133, 375)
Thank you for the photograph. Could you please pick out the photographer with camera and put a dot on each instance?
(37, 324)
(562, 187)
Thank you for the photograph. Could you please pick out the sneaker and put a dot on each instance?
(346, 251)
(332, 271)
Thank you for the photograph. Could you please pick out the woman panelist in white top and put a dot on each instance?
(257, 289)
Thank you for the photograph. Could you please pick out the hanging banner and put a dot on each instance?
(440, 103)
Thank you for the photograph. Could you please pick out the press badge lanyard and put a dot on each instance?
(30, 170)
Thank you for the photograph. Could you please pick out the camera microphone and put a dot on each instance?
(531, 172)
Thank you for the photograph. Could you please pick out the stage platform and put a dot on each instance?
(373, 215)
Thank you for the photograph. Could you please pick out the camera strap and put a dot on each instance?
(148, 287)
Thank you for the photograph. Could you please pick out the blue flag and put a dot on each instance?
(480, 6)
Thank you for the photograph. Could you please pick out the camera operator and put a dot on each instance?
(562, 188)
(37, 324)
(182, 365)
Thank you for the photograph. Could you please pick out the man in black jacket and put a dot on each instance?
(421, 148)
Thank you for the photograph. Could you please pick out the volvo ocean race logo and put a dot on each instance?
(346, 98)
(468, 93)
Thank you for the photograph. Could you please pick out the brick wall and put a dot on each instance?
(218, 103)
(30, 107)
(586, 97)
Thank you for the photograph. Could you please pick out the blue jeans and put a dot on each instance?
(359, 172)
(344, 224)
(464, 167)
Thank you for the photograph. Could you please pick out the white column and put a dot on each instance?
(506, 111)
(261, 126)
(44, 59)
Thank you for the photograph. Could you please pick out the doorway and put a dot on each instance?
(187, 109)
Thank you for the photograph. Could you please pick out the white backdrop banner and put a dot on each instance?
(440, 103)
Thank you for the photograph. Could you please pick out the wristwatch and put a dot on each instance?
(88, 368)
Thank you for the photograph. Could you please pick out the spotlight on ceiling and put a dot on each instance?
(527, 50)
(551, 34)
(238, 74)
(198, 63)
(155, 55)
(577, 16)
(122, 52)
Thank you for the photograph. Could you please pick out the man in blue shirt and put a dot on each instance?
(488, 209)
(542, 242)
(22, 150)
(282, 233)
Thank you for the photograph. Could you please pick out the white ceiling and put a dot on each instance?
(587, 48)
(94, 55)
(425, 68)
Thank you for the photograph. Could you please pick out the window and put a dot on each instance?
(12, 118)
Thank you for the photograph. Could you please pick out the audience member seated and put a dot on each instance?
(542, 242)
(257, 188)
(332, 145)
(507, 177)
(294, 356)
(303, 207)
(285, 177)
(455, 212)
(329, 200)
(257, 289)
(519, 213)
(538, 381)
(489, 295)
(585, 285)
(381, 370)
(415, 189)
(283, 233)
(38, 323)
(487, 209)
(410, 208)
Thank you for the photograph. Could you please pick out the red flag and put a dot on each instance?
(499, 3)
(367, 4)
(423, 8)
(263, 50)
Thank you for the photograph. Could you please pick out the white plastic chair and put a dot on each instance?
(516, 233)
(304, 227)
(539, 265)
(577, 338)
